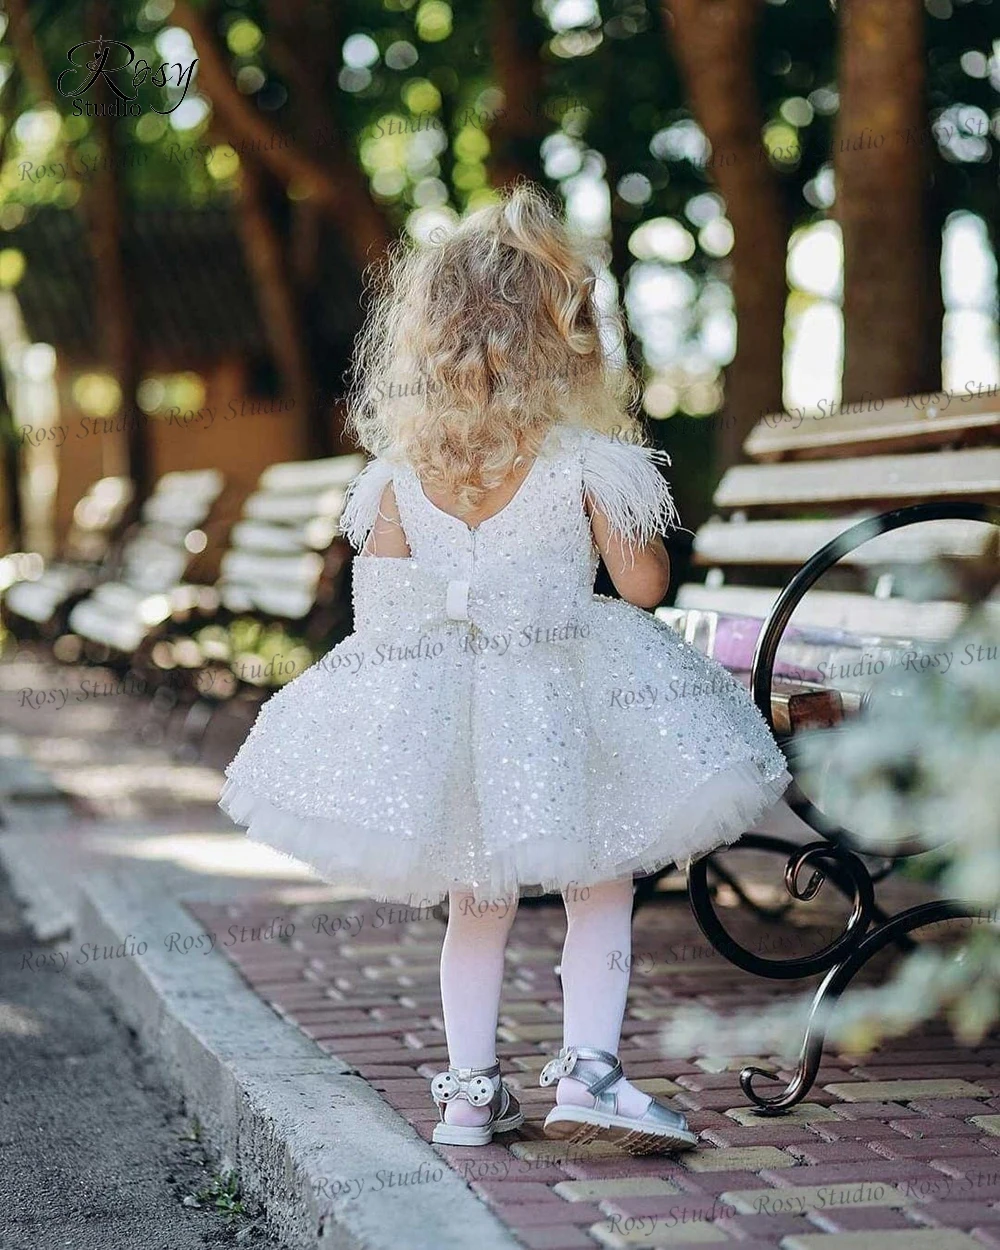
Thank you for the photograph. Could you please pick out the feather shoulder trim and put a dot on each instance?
(361, 505)
(624, 480)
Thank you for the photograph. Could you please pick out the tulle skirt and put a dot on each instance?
(532, 759)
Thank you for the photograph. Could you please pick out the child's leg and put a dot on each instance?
(471, 980)
(596, 960)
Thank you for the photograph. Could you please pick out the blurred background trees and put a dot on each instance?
(796, 202)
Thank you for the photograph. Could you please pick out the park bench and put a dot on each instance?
(116, 618)
(284, 571)
(287, 544)
(863, 502)
(821, 466)
(37, 604)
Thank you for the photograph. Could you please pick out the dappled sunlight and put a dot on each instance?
(218, 854)
(190, 783)
(20, 1021)
(241, 255)
(52, 752)
(310, 895)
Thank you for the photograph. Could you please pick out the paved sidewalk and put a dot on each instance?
(889, 1150)
(94, 1152)
(103, 831)
(898, 1148)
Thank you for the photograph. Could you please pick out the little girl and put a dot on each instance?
(492, 724)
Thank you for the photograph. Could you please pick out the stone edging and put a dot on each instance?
(289, 1118)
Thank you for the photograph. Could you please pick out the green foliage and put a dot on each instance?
(916, 773)
(223, 1193)
(410, 90)
(261, 654)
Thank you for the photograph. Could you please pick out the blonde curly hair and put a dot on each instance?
(480, 340)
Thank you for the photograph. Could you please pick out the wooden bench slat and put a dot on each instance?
(178, 515)
(877, 479)
(118, 596)
(183, 481)
(101, 507)
(294, 509)
(289, 602)
(265, 537)
(793, 542)
(101, 623)
(311, 475)
(301, 568)
(36, 601)
(157, 577)
(896, 426)
(856, 613)
(182, 500)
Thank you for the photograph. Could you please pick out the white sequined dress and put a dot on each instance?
(492, 722)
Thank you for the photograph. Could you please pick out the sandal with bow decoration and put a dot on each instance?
(481, 1087)
(657, 1129)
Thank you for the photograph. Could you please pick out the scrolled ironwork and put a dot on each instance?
(827, 994)
(759, 909)
(773, 630)
(845, 870)
(836, 857)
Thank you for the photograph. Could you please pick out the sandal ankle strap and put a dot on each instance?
(586, 1064)
(576, 1061)
(476, 1085)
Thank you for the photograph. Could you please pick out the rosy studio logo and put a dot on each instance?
(68, 83)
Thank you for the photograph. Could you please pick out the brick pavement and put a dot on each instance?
(901, 1147)
(863, 1164)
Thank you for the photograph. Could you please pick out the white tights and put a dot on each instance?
(595, 959)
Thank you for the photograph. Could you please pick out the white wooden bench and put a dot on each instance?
(38, 605)
(286, 565)
(285, 551)
(119, 615)
(817, 467)
(820, 562)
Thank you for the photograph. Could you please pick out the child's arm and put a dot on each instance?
(370, 518)
(629, 506)
(641, 574)
(386, 537)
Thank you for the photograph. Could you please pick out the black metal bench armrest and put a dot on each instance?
(868, 929)
(769, 639)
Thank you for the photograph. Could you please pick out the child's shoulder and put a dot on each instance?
(598, 448)
(623, 479)
(361, 503)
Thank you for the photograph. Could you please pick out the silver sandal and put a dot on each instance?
(657, 1129)
(481, 1087)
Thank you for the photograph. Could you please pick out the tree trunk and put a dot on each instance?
(29, 69)
(12, 520)
(336, 182)
(29, 56)
(625, 217)
(107, 225)
(517, 133)
(264, 252)
(713, 41)
(306, 230)
(892, 239)
(283, 249)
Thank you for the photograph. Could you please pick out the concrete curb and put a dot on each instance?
(31, 807)
(47, 895)
(292, 1121)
